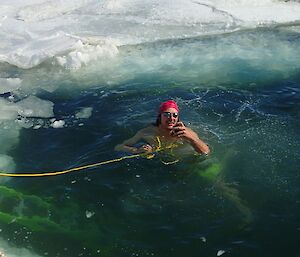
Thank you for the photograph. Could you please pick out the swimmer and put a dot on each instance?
(168, 128)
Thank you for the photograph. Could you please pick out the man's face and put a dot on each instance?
(169, 118)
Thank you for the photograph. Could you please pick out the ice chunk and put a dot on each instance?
(85, 53)
(31, 53)
(33, 106)
(24, 122)
(58, 124)
(8, 110)
(220, 252)
(9, 84)
(203, 239)
(89, 214)
(84, 113)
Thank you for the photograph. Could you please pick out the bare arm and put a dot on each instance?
(128, 145)
(181, 131)
(198, 144)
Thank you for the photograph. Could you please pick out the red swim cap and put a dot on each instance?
(168, 104)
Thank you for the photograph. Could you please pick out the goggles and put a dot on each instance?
(169, 115)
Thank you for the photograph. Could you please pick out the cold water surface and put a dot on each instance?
(243, 104)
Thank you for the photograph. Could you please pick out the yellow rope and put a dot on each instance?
(169, 163)
(55, 173)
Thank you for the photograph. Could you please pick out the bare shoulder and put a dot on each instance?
(148, 131)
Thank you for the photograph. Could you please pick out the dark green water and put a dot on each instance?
(244, 105)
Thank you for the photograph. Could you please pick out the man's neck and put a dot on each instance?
(165, 132)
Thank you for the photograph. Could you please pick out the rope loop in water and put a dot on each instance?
(55, 173)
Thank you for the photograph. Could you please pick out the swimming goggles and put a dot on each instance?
(170, 114)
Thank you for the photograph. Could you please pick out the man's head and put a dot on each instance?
(168, 114)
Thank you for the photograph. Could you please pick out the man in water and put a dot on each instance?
(168, 129)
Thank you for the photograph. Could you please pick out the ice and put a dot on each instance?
(9, 136)
(11, 251)
(203, 239)
(58, 124)
(8, 110)
(48, 9)
(220, 252)
(13, 115)
(36, 31)
(33, 106)
(260, 12)
(34, 51)
(84, 54)
(89, 214)
(9, 84)
(84, 113)
(7, 165)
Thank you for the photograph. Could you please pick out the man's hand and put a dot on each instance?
(144, 149)
(179, 130)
